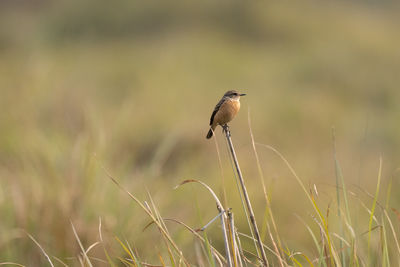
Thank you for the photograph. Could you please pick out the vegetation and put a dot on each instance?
(100, 99)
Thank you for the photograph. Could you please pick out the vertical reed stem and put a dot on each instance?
(235, 249)
(246, 196)
(225, 234)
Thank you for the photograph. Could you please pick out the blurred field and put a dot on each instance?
(131, 86)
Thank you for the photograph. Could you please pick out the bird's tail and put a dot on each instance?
(210, 132)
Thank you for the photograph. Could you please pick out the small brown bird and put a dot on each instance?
(225, 110)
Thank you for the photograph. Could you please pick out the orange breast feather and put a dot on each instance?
(227, 112)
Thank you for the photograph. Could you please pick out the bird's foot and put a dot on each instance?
(225, 129)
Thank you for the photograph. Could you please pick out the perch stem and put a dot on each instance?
(246, 195)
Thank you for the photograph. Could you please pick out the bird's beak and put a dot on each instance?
(242, 94)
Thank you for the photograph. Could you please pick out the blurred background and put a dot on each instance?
(131, 85)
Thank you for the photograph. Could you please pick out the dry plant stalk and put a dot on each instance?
(225, 234)
(223, 217)
(246, 196)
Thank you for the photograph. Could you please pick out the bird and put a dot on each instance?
(225, 111)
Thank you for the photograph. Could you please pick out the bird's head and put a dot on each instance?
(233, 94)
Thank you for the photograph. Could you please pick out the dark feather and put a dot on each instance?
(216, 110)
(209, 134)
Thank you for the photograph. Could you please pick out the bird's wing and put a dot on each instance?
(216, 110)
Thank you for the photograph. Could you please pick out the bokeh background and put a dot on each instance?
(131, 85)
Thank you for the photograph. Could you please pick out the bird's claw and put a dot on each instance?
(225, 129)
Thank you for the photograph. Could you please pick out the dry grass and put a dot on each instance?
(130, 86)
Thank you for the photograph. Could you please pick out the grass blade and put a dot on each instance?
(373, 208)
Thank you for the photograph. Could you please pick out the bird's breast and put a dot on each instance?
(227, 111)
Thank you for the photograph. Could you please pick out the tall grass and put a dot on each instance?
(133, 82)
(336, 240)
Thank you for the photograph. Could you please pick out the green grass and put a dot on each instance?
(131, 86)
